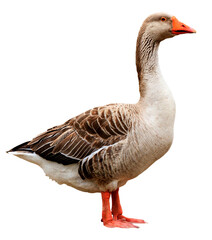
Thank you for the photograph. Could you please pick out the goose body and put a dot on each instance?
(103, 148)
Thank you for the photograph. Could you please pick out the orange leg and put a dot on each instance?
(106, 213)
(117, 210)
(107, 217)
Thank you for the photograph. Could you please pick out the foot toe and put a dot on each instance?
(119, 224)
(131, 220)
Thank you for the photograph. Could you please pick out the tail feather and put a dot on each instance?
(25, 152)
(21, 148)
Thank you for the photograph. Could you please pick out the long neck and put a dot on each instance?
(146, 59)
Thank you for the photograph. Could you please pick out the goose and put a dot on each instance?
(104, 147)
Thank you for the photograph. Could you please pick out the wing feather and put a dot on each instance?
(85, 137)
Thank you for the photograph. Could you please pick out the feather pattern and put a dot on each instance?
(90, 138)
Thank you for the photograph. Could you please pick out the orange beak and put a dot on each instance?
(180, 28)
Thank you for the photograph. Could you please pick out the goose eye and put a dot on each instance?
(163, 19)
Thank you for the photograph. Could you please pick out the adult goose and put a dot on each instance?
(101, 149)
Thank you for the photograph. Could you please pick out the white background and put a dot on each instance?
(60, 58)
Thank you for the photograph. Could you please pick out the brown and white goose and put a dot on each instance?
(103, 148)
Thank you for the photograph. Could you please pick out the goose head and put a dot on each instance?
(160, 26)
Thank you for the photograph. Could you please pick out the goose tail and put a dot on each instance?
(25, 152)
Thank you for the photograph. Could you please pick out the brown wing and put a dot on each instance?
(83, 135)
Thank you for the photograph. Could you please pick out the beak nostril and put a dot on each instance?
(183, 25)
